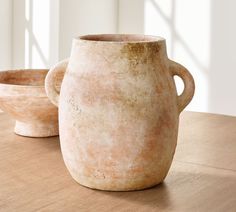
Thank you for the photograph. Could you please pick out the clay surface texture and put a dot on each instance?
(23, 96)
(119, 110)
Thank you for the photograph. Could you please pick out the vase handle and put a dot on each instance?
(55, 75)
(189, 86)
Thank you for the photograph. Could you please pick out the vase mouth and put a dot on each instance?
(120, 38)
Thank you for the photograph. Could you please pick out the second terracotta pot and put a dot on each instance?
(119, 110)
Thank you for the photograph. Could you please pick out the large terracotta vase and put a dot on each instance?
(119, 110)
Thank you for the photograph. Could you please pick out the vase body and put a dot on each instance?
(118, 112)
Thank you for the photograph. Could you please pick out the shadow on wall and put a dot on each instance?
(175, 37)
(35, 33)
(200, 34)
(174, 22)
(43, 30)
(39, 33)
(30, 38)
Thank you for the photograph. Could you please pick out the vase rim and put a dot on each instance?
(119, 38)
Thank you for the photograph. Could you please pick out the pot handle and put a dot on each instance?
(189, 86)
(55, 75)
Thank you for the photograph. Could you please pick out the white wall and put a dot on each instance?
(131, 16)
(43, 30)
(35, 33)
(18, 34)
(5, 33)
(200, 34)
(79, 17)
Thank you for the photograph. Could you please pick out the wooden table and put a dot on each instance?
(202, 177)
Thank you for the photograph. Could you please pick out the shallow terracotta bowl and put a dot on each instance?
(22, 96)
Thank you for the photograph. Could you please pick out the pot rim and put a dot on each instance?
(18, 71)
(120, 38)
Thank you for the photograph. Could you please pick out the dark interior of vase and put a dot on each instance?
(120, 38)
(30, 77)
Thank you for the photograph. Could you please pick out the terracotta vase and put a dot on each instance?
(119, 110)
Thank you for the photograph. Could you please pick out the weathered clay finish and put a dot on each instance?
(23, 96)
(119, 110)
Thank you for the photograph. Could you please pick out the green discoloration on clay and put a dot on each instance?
(133, 50)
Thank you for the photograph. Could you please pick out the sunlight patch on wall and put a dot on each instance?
(186, 26)
(37, 33)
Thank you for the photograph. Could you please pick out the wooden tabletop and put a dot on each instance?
(202, 177)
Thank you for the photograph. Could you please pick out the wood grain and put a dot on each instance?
(202, 177)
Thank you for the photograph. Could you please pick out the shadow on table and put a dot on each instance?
(187, 187)
(155, 197)
(48, 144)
